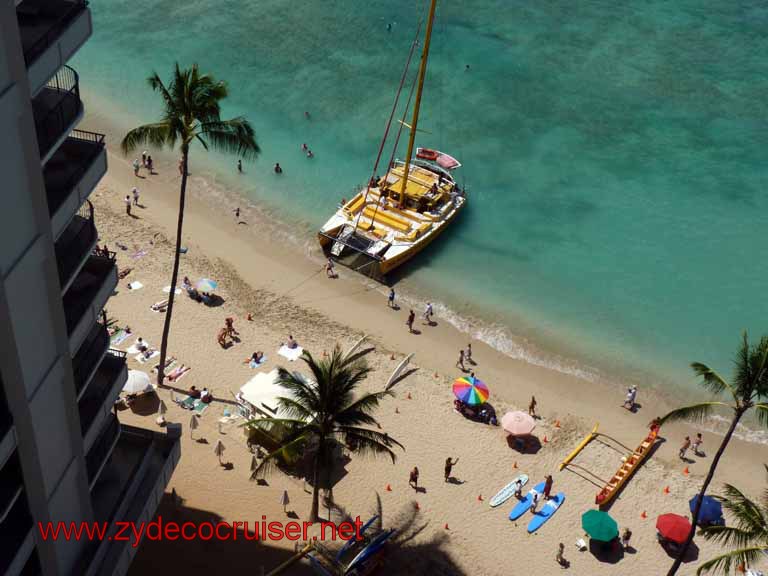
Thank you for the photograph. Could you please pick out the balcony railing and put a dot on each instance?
(71, 174)
(5, 414)
(104, 388)
(56, 108)
(101, 449)
(75, 244)
(14, 530)
(42, 22)
(89, 356)
(86, 296)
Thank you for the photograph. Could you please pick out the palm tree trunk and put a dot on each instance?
(315, 512)
(695, 521)
(175, 273)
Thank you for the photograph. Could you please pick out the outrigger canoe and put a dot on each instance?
(631, 463)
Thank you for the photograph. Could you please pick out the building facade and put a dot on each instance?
(64, 456)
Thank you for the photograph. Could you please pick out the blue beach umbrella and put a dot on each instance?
(206, 285)
(710, 511)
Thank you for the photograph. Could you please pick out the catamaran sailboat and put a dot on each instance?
(397, 215)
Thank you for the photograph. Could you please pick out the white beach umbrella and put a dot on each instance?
(193, 424)
(284, 500)
(137, 382)
(219, 449)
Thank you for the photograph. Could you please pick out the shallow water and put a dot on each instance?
(614, 155)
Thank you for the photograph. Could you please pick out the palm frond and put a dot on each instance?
(761, 411)
(235, 136)
(360, 411)
(301, 389)
(369, 441)
(694, 412)
(269, 425)
(158, 134)
(287, 452)
(295, 409)
(712, 381)
(725, 562)
(747, 514)
(156, 83)
(728, 536)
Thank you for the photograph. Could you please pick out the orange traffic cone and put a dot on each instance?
(666, 489)
(436, 374)
(389, 488)
(686, 471)
(514, 464)
(479, 497)
(557, 423)
(397, 410)
(408, 395)
(446, 526)
(545, 439)
(392, 356)
(643, 515)
(416, 505)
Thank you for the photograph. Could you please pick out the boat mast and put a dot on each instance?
(415, 121)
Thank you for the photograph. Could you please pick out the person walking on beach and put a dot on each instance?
(547, 486)
(697, 445)
(428, 312)
(135, 193)
(150, 165)
(144, 158)
(468, 354)
(460, 361)
(240, 166)
(560, 556)
(391, 298)
(413, 479)
(409, 322)
(237, 213)
(684, 447)
(625, 537)
(449, 464)
(136, 167)
(532, 407)
(329, 270)
(128, 205)
(629, 403)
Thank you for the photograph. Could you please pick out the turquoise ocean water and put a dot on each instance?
(615, 155)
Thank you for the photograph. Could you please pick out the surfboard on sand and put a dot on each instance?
(354, 348)
(546, 512)
(525, 504)
(398, 371)
(508, 491)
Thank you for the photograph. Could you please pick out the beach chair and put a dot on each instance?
(581, 545)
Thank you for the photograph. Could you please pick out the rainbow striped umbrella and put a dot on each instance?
(470, 390)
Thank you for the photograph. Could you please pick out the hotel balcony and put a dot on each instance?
(57, 109)
(87, 296)
(95, 405)
(97, 456)
(71, 174)
(75, 245)
(51, 32)
(16, 532)
(7, 437)
(129, 488)
(89, 357)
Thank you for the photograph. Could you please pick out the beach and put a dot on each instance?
(283, 285)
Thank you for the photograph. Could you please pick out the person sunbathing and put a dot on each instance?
(230, 327)
(255, 358)
(291, 344)
(141, 346)
(158, 306)
(206, 397)
(178, 372)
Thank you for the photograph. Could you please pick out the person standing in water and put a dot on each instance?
(278, 168)
(240, 166)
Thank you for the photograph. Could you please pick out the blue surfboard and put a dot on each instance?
(352, 541)
(374, 546)
(546, 512)
(525, 504)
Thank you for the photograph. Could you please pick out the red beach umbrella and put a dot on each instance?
(673, 527)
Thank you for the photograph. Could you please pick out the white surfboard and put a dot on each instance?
(508, 491)
(354, 348)
(399, 370)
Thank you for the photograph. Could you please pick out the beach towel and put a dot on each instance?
(253, 364)
(139, 254)
(143, 359)
(290, 353)
(135, 285)
(134, 347)
(188, 403)
(200, 407)
(119, 337)
(167, 290)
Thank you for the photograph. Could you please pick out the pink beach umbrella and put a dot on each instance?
(518, 423)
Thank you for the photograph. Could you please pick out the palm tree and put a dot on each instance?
(323, 412)
(191, 112)
(748, 538)
(748, 390)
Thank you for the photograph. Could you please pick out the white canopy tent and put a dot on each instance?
(259, 395)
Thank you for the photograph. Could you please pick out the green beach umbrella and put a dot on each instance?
(599, 525)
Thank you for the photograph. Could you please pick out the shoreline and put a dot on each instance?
(209, 194)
